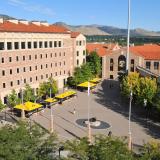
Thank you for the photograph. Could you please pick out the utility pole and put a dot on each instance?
(129, 122)
(128, 39)
(89, 126)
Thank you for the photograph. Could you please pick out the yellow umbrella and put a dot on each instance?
(95, 80)
(66, 94)
(28, 106)
(51, 100)
(85, 84)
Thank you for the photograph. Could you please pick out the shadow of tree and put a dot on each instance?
(109, 96)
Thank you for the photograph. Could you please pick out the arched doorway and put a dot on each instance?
(121, 64)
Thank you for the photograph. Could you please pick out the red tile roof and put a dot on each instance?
(149, 51)
(101, 49)
(75, 34)
(7, 26)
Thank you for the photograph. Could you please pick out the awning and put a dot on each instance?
(85, 84)
(95, 80)
(51, 100)
(66, 94)
(28, 106)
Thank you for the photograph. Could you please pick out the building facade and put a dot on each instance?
(31, 52)
(143, 59)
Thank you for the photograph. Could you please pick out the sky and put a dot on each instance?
(144, 13)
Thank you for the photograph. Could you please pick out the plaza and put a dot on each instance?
(107, 106)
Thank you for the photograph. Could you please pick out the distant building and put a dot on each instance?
(31, 52)
(144, 59)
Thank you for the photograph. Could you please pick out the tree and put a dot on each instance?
(147, 90)
(29, 94)
(24, 142)
(12, 99)
(103, 148)
(86, 72)
(2, 106)
(45, 87)
(94, 62)
(142, 87)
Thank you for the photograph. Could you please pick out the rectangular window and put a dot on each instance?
(45, 44)
(50, 44)
(30, 57)
(111, 64)
(132, 65)
(41, 76)
(59, 44)
(9, 45)
(41, 56)
(35, 44)
(35, 67)
(84, 60)
(60, 54)
(80, 43)
(55, 54)
(77, 53)
(156, 65)
(41, 67)
(111, 76)
(4, 85)
(17, 70)
(1, 45)
(3, 72)
(40, 44)
(16, 45)
(55, 43)
(64, 54)
(64, 63)
(24, 80)
(77, 62)
(30, 79)
(23, 45)
(29, 45)
(46, 55)
(35, 56)
(2, 60)
(51, 55)
(46, 65)
(10, 59)
(10, 71)
(11, 83)
(30, 68)
(148, 65)
(36, 78)
(17, 58)
(24, 69)
(84, 52)
(18, 82)
(24, 58)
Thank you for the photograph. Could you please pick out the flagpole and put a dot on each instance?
(89, 127)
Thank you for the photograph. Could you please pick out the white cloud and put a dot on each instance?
(35, 8)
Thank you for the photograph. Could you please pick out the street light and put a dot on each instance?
(129, 122)
(51, 123)
(59, 151)
(89, 126)
(22, 111)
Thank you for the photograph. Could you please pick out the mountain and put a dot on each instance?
(5, 17)
(96, 29)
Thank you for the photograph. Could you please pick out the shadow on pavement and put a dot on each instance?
(109, 96)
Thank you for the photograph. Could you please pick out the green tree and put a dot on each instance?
(103, 148)
(28, 94)
(2, 106)
(45, 87)
(12, 99)
(147, 90)
(24, 142)
(86, 72)
(94, 62)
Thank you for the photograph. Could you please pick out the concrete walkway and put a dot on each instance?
(105, 105)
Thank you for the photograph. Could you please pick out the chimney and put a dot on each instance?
(13, 21)
(24, 22)
(44, 23)
(1, 20)
(36, 23)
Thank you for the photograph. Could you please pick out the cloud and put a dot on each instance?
(32, 7)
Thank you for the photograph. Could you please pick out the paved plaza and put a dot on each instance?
(107, 106)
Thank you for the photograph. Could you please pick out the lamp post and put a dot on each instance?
(59, 151)
(89, 126)
(51, 123)
(22, 111)
(129, 123)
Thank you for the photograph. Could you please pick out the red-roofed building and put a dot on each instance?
(31, 52)
(102, 49)
(144, 59)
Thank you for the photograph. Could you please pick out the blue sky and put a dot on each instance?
(144, 13)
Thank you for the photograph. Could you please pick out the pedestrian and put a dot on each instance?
(74, 111)
(110, 134)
